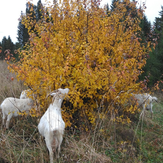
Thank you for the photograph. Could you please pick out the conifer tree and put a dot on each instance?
(23, 35)
(4, 47)
(146, 29)
(114, 4)
(154, 67)
(39, 10)
(7, 44)
(36, 14)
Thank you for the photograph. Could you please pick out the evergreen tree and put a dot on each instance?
(4, 47)
(146, 26)
(35, 14)
(107, 9)
(7, 44)
(10, 45)
(154, 67)
(23, 35)
(113, 5)
(39, 10)
(146, 30)
(159, 21)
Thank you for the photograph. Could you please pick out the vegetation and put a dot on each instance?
(153, 69)
(98, 57)
(22, 143)
(99, 54)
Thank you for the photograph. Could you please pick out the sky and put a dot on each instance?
(10, 11)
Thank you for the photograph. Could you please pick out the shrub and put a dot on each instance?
(78, 46)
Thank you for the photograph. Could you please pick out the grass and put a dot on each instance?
(140, 141)
(9, 85)
(152, 138)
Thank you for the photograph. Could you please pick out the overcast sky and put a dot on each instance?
(10, 11)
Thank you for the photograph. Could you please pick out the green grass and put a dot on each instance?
(158, 113)
(150, 135)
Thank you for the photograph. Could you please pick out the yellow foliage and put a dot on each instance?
(86, 50)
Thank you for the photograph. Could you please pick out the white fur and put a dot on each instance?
(12, 106)
(24, 94)
(51, 124)
(145, 100)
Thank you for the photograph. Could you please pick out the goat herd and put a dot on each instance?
(51, 125)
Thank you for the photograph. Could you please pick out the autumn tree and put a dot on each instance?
(99, 58)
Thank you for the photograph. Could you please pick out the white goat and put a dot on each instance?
(51, 125)
(13, 106)
(145, 100)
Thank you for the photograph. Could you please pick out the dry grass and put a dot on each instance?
(83, 150)
(9, 84)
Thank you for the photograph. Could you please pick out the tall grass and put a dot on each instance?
(108, 142)
(9, 84)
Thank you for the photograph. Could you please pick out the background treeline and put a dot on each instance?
(154, 67)
(22, 33)
(153, 70)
